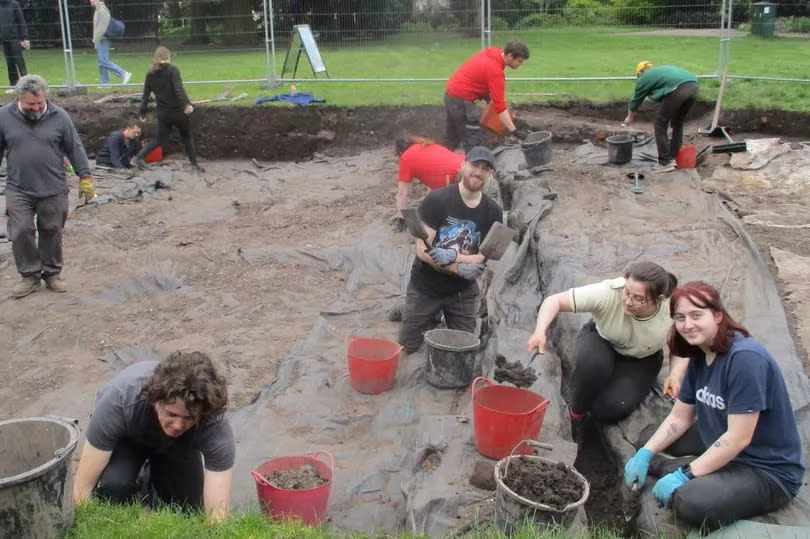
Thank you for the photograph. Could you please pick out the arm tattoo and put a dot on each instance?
(672, 430)
(721, 442)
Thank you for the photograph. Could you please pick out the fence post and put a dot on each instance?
(269, 42)
(68, 76)
(483, 31)
(73, 81)
(489, 23)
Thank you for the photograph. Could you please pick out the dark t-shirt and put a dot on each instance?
(745, 380)
(457, 227)
(123, 413)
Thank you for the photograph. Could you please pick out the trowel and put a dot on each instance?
(635, 176)
(496, 241)
(415, 226)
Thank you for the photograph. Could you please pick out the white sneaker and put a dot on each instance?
(126, 78)
(660, 169)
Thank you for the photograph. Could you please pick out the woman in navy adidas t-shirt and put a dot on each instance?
(749, 452)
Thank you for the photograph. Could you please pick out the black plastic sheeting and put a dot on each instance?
(403, 458)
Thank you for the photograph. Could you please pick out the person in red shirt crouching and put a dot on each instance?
(480, 77)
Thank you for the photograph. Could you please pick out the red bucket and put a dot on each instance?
(307, 504)
(372, 363)
(504, 416)
(154, 156)
(687, 156)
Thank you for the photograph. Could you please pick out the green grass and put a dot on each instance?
(556, 52)
(96, 520)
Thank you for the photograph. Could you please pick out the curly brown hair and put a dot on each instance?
(193, 378)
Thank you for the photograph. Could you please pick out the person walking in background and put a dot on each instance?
(14, 35)
(101, 20)
(676, 89)
(173, 107)
(37, 134)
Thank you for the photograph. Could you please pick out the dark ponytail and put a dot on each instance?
(659, 282)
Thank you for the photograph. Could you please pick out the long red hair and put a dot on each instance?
(704, 296)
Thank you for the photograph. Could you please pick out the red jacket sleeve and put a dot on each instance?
(497, 89)
(405, 174)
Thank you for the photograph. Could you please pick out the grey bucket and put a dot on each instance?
(36, 498)
(450, 357)
(620, 149)
(512, 510)
(537, 148)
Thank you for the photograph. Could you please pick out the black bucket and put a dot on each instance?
(620, 149)
(36, 497)
(450, 357)
(537, 148)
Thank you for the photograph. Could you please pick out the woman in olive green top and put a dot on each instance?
(618, 354)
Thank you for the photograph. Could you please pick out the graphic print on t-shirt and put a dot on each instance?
(459, 234)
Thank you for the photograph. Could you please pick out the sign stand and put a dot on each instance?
(303, 41)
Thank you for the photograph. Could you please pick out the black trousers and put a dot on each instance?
(175, 478)
(463, 123)
(606, 383)
(13, 50)
(460, 312)
(165, 121)
(735, 491)
(672, 111)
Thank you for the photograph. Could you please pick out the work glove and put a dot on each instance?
(666, 486)
(520, 134)
(398, 224)
(470, 271)
(442, 257)
(635, 470)
(86, 188)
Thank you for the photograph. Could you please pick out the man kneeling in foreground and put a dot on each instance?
(167, 419)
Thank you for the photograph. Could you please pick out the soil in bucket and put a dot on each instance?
(554, 485)
(513, 372)
(303, 478)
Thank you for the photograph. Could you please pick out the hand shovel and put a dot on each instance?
(533, 354)
(415, 226)
(635, 176)
(496, 241)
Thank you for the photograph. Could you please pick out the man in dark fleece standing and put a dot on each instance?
(480, 77)
(35, 134)
(456, 218)
(120, 147)
(676, 89)
(14, 35)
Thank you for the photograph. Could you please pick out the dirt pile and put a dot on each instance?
(513, 372)
(553, 485)
(303, 478)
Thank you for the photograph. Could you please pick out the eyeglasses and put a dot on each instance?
(638, 300)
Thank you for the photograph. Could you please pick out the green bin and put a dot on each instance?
(763, 21)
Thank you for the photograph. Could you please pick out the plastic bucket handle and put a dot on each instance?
(486, 381)
(260, 479)
(352, 336)
(330, 462)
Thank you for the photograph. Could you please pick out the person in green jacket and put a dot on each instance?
(676, 89)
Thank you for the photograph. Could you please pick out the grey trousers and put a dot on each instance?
(673, 110)
(460, 312)
(32, 259)
(463, 123)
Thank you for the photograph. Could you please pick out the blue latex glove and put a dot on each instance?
(636, 468)
(443, 257)
(666, 486)
(470, 271)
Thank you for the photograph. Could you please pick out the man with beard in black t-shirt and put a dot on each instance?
(443, 278)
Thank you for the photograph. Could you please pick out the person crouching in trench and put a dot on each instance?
(158, 434)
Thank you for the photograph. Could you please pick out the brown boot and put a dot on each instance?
(55, 283)
(25, 287)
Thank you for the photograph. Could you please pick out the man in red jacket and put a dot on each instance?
(480, 77)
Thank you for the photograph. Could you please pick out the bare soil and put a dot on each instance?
(552, 485)
(513, 372)
(303, 478)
